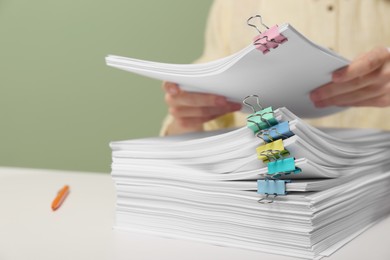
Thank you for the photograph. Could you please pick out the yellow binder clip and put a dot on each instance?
(271, 150)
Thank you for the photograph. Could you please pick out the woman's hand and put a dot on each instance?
(190, 110)
(365, 82)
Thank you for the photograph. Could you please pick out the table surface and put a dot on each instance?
(82, 227)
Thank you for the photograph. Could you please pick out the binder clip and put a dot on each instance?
(271, 187)
(260, 119)
(271, 38)
(282, 167)
(277, 187)
(278, 131)
(275, 150)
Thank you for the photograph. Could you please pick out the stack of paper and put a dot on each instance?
(204, 188)
(217, 187)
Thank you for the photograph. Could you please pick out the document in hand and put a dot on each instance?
(209, 187)
(282, 77)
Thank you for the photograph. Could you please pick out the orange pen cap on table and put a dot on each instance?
(59, 199)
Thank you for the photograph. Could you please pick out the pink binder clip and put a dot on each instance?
(271, 38)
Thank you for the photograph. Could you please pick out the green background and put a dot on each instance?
(60, 105)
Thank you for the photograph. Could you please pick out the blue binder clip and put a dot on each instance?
(278, 131)
(283, 166)
(262, 119)
(271, 188)
(276, 187)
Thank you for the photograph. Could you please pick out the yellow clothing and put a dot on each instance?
(348, 27)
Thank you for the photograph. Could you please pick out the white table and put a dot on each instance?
(82, 227)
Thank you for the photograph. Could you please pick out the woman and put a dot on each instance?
(352, 28)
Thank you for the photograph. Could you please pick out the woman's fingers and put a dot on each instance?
(184, 98)
(190, 109)
(365, 80)
(363, 65)
(353, 98)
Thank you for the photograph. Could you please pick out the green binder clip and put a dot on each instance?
(284, 166)
(260, 119)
